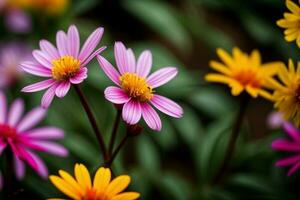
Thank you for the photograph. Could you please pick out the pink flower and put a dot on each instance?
(289, 145)
(136, 87)
(62, 66)
(18, 134)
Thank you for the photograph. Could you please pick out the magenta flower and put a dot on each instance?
(136, 88)
(18, 134)
(62, 66)
(11, 54)
(289, 145)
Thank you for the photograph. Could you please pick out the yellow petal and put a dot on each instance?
(56, 199)
(255, 58)
(266, 95)
(283, 75)
(283, 23)
(64, 187)
(72, 182)
(292, 6)
(220, 67)
(218, 78)
(291, 37)
(83, 176)
(236, 88)
(126, 196)
(291, 30)
(271, 68)
(118, 185)
(252, 91)
(102, 179)
(225, 57)
(291, 16)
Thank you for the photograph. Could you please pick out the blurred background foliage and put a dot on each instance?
(180, 161)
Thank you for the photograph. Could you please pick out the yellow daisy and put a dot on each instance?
(287, 92)
(102, 188)
(291, 23)
(242, 72)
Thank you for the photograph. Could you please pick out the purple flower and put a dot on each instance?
(62, 66)
(136, 87)
(11, 54)
(17, 21)
(275, 120)
(289, 145)
(18, 133)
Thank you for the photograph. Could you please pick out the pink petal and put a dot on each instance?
(97, 52)
(48, 96)
(41, 167)
(116, 95)
(39, 86)
(73, 41)
(132, 112)
(2, 107)
(167, 106)
(293, 169)
(52, 148)
(42, 58)
(162, 76)
(109, 70)
(131, 61)
(292, 131)
(285, 145)
(19, 168)
(288, 161)
(15, 112)
(35, 69)
(121, 57)
(61, 43)
(151, 117)
(49, 49)
(31, 119)
(62, 89)
(45, 133)
(144, 64)
(90, 44)
(80, 76)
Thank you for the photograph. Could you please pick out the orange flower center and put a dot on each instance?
(136, 87)
(7, 132)
(247, 77)
(65, 67)
(91, 194)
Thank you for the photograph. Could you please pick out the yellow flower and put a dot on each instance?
(287, 92)
(291, 23)
(51, 7)
(243, 72)
(102, 188)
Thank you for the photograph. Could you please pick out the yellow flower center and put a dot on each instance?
(247, 77)
(65, 67)
(136, 87)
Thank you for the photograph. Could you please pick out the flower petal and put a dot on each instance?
(52, 148)
(19, 168)
(151, 117)
(93, 55)
(292, 131)
(162, 76)
(131, 61)
(62, 89)
(2, 107)
(61, 43)
(90, 44)
(127, 196)
(71, 182)
(49, 49)
(73, 41)
(42, 58)
(39, 86)
(121, 57)
(294, 169)
(132, 112)
(35, 69)
(118, 185)
(31, 119)
(83, 176)
(64, 187)
(167, 106)
(288, 161)
(116, 95)
(80, 76)
(144, 64)
(15, 112)
(109, 70)
(102, 179)
(48, 96)
(45, 133)
(285, 145)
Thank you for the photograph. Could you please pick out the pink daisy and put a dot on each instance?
(136, 87)
(289, 145)
(18, 134)
(62, 66)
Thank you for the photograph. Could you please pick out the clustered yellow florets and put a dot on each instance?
(65, 67)
(136, 87)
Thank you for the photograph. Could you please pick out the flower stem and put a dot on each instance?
(244, 100)
(93, 122)
(119, 147)
(114, 132)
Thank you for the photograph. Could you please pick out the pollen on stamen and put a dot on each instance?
(65, 67)
(136, 87)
